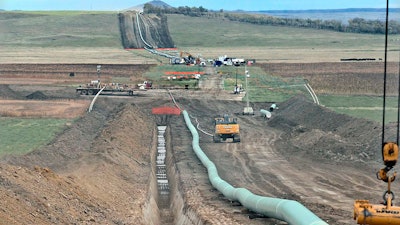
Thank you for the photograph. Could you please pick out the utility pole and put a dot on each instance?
(247, 110)
(237, 89)
(98, 72)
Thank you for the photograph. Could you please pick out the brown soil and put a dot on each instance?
(64, 74)
(101, 169)
(341, 77)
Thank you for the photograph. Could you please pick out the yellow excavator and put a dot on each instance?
(226, 127)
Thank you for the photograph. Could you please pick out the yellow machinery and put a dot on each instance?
(187, 57)
(226, 127)
(385, 213)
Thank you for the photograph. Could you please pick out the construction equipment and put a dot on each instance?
(226, 127)
(385, 213)
(145, 85)
(187, 57)
(95, 86)
(248, 110)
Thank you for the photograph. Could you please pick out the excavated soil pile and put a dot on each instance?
(96, 172)
(357, 78)
(153, 29)
(37, 95)
(310, 129)
(7, 93)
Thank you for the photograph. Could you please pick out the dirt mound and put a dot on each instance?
(153, 29)
(312, 129)
(7, 93)
(37, 95)
(97, 171)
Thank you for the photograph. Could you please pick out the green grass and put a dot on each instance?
(262, 87)
(100, 29)
(368, 107)
(186, 33)
(20, 135)
(158, 76)
(60, 29)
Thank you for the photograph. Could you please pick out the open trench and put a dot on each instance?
(166, 201)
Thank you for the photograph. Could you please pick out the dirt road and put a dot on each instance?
(266, 163)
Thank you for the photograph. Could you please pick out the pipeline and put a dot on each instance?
(312, 93)
(147, 46)
(289, 211)
(94, 99)
(140, 31)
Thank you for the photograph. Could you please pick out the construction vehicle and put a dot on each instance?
(95, 86)
(187, 57)
(145, 85)
(226, 127)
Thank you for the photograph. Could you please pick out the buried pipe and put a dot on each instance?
(289, 211)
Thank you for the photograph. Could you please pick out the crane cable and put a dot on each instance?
(398, 100)
(384, 82)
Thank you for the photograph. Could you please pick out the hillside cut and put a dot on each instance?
(144, 31)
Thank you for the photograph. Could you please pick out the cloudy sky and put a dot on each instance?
(249, 5)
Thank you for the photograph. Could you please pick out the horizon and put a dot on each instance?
(235, 5)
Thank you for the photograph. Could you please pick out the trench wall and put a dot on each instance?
(182, 213)
(151, 212)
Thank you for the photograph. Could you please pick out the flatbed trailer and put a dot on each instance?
(95, 86)
(94, 91)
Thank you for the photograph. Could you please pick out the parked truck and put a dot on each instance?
(95, 86)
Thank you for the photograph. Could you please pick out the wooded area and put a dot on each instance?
(355, 25)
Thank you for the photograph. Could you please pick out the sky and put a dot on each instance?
(247, 5)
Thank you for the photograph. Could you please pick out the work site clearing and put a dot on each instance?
(131, 156)
(101, 169)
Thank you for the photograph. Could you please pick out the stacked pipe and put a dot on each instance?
(289, 211)
(162, 180)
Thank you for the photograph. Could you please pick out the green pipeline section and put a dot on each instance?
(289, 211)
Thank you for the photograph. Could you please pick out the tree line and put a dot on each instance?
(355, 25)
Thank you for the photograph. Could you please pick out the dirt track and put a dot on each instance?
(101, 169)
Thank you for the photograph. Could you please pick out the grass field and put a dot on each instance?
(368, 107)
(64, 37)
(274, 43)
(216, 33)
(21, 135)
(60, 28)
